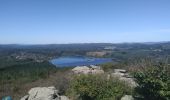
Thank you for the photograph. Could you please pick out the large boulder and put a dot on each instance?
(122, 75)
(95, 67)
(25, 97)
(87, 70)
(94, 71)
(63, 98)
(130, 81)
(127, 97)
(44, 93)
(120, 71)
(81, 70)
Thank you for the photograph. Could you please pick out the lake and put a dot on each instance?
(78, 61)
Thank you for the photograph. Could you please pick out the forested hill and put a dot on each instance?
(119, 52)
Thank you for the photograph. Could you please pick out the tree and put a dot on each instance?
(154, 83)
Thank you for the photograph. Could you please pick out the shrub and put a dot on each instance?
(96, 87)
(107, 67)
(154, 83)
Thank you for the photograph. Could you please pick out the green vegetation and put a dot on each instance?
(108, 67)
(27, 71)
(154, 83)
(13, 77)
(23, 67)
(96, 87)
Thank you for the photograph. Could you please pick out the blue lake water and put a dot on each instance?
(78, 61)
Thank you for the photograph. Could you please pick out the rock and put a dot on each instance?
(39, 93)
(94, 71)
(63, 98)
(86, 70)
(81, 70)
(118, 75)
(95, 67)
(122, 75)
(43, 93)
(127, 97)
(25, 97)
(120, 71)
(130, 81)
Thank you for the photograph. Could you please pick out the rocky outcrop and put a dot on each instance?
(44, 93)
(81, 70)
(25, 97)
(127, 97)
(87, 70)
(124, 76)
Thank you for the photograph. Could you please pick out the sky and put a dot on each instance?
(84, 21)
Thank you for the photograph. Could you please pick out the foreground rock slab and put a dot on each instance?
(127, 97)
(44, 93)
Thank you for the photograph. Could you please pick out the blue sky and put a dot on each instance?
(84, 21)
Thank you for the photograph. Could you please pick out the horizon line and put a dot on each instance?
(83, 43)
